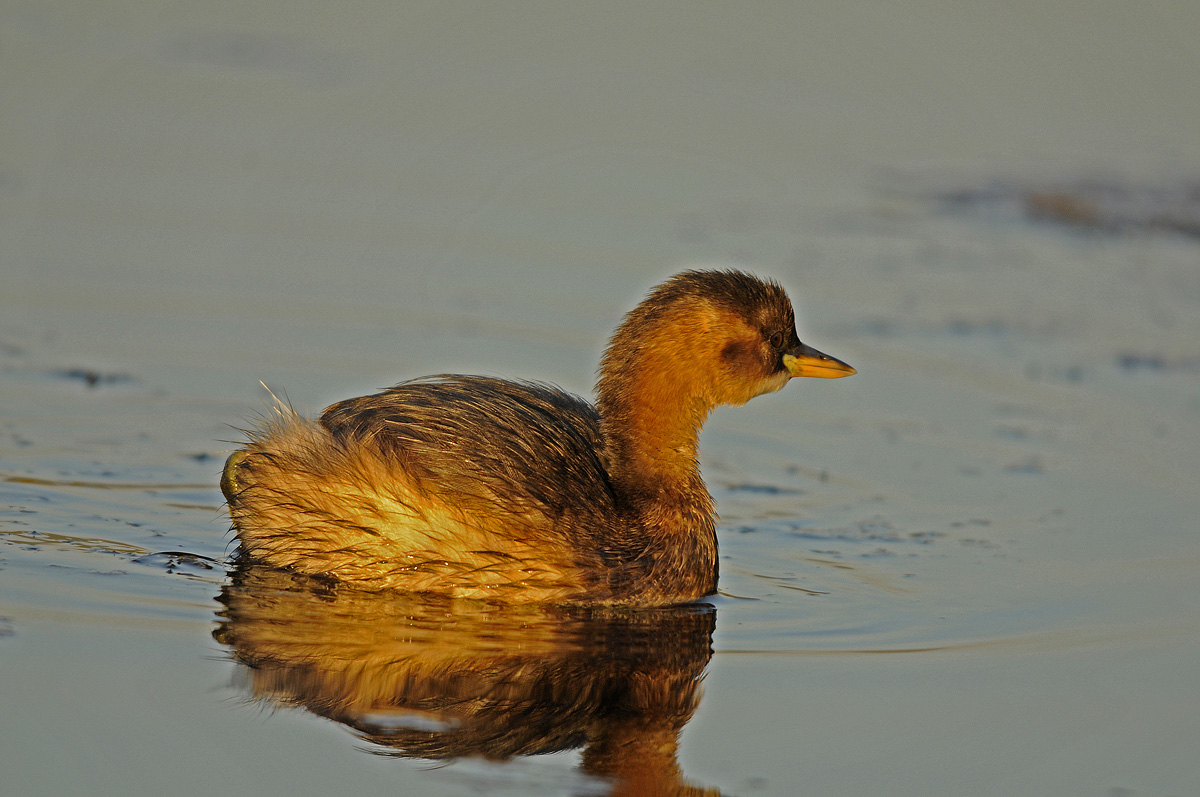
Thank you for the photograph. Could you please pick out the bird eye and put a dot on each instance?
(777, 340)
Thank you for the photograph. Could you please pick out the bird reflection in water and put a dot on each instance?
(430, 677)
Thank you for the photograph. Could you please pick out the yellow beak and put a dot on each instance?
(807, 361)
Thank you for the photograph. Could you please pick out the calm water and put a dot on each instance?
(974, 568)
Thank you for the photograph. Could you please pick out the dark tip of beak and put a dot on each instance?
(804, 360)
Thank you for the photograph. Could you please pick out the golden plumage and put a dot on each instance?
(486, 488)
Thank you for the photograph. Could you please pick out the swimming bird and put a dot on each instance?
(486, 488)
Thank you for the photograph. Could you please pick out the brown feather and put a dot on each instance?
(480, 487)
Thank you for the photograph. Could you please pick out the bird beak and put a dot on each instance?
(807, 361)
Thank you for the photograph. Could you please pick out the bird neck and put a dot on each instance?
(652, 409)
(651, 434)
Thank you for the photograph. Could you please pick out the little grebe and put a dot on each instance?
(485, 488)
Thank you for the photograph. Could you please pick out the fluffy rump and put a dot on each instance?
(444, 484)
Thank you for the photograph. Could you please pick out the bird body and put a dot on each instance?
(486, 488)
